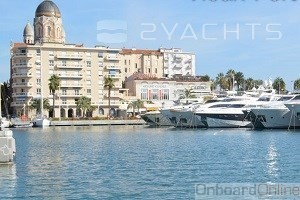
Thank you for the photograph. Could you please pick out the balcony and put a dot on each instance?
(23, 55)
(113, 67)
(21, 75)
(118, 85)
(71, 85)
(22, 94)
(70, 95)
(21, 65)
(112, 57)
(69, 66)
(177, 67)
(73, 75)
(178, 58)
(25, 84)
(70, 56)
(116, 95)
(115, 76)
(18, 104)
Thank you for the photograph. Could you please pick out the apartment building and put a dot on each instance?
(143, 61)
(81, 70)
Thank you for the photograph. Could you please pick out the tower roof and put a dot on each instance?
(28, 30)
(47, 8)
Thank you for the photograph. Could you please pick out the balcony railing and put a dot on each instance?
(70, 75)
(70, 95)
(113, 67)
(118, 95)
(71, 85)
(69, 66)
(19, 75)
(25, 84)
(22, 94)
(70, 56)
(113, 57)
(116, 76)
(21, 65)
(23, 55)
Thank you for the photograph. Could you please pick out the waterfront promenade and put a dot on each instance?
(98, 122)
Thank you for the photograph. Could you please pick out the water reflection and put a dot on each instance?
(272, 161)
(8, 180)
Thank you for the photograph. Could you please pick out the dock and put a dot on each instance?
(98, 122)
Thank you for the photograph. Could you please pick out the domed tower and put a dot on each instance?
(28, 34)
(48, 26)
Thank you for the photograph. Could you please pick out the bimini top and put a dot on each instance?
(47, 8)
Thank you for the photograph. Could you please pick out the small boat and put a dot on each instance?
(41, 122)
(27, 125)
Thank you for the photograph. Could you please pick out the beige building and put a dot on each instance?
(148, 62)
(146, 88)
(81, 70)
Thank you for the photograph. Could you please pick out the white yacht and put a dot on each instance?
(274, 115)
(155, 118)
(229, 113)
(5, 123)
(41, 121)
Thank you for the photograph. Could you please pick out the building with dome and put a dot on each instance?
(44, 52)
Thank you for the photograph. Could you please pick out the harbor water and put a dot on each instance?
(136, 162)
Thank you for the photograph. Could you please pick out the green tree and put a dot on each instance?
(222, 81)
(297, 84)
(109, 84)
(188, 94)
(54, 83)
(249, 84)
(84, 103)
(136, 104)
(239, 78)
(230, 78)
(205, 78)
(35, 104)
(279, 85)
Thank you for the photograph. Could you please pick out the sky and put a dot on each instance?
(257, 37)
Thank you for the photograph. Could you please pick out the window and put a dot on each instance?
(101, 111)
(88, 73)
(76, 92)
(154, 94)
(165, 94)
(22, 90)
(23, 80)
(51, 63)
(64, 101)
(88, 63)
(38, 52)
(144, 94)
(38, 91)
(136, 65)
(149, 70)
(126, 70)
(125, 63)
(38, 81)
(49, 30)
(64, 92)
(156, 70)
(51, 53)
(89, 91)
(129, 62)
(64, 63)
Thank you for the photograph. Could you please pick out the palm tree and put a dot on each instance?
(187, 94)
(84, 103)
(230, 78)
(54, 82)
(279, 85)
(249, 84)
(297, 84)
(109, 83)
(35, 104)
(239, 78)
(139, 104)
(221, 80)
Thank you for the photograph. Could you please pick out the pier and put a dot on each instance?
(98, 122)
(7, 146)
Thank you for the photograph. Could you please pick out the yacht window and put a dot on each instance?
(236, 106)
(264, 99)
(261, 118)
(284, 98)
(298, 115)
(220, 105)
(297, 97)
(183, 120)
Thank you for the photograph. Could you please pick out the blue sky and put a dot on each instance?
(259, 58)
